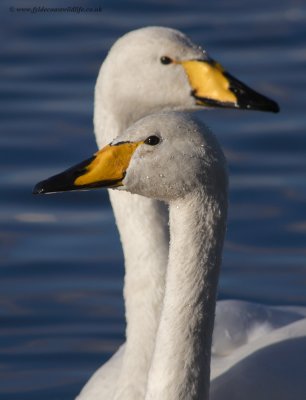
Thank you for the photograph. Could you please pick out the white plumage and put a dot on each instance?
(133, 83)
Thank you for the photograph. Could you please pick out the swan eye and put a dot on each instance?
(165, 60)
(152, 140)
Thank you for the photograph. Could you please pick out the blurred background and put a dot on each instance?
(61, 305)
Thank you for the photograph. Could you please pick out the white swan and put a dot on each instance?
(172, 158)
(149, 70)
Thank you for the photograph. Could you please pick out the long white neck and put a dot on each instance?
(180, 368)
(144, 233)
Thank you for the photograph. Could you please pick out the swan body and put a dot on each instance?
(147, 71)
(253, 345)
(256, 353)
(270, 364)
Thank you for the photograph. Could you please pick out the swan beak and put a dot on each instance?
(212, 86)
(107, 168)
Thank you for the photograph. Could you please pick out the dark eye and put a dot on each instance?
(152, 140)
(165, 60)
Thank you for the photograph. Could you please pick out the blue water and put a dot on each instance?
(61, 270)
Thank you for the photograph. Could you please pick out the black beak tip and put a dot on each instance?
(39, 188)
(275, 107)
(259, 103)
(249, 99)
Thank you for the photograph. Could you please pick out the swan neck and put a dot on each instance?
(183, 344)
(144, 234)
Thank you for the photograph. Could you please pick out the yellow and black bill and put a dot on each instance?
(106, 169)
(212, 86)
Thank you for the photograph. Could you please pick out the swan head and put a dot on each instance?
(163, 156)
(156, 68)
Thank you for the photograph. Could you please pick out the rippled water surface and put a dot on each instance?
(61, 268)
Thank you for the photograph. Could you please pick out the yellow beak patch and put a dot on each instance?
(109, 165)
(208, 81)
(106, 169)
